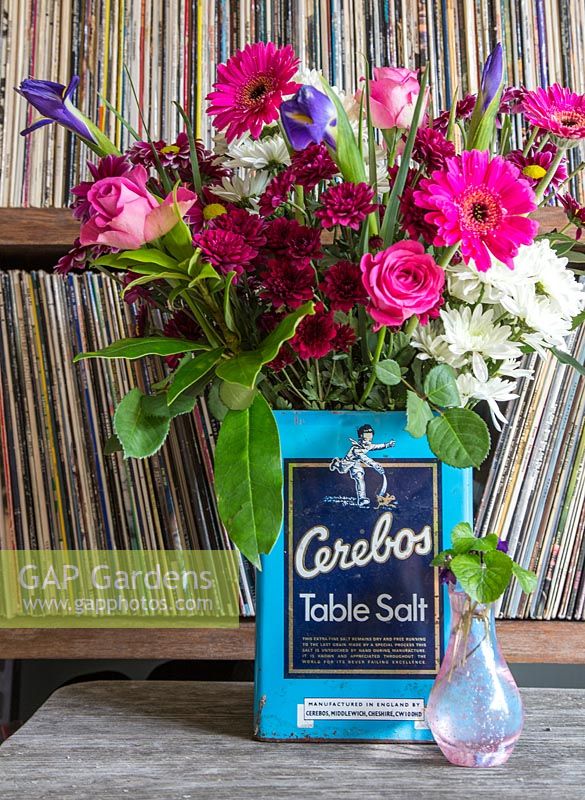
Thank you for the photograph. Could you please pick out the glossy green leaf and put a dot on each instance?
(465, 544)
(388, 372)
(139, 424)
(227, 305)
(248, 479)
(244, 368)
(418, 415)
(567, 358)
(191, 372)
(236, 396)
(440, 386)
(113, 445)
(459, 437)
(150, 255)
(179, 240)
(147, 346)
(483, 582)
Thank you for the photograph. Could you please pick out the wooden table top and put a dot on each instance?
(179, 740)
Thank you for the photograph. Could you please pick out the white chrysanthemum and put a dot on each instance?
(246, 189)
(430, 343)
(467, 283)
(249, 153)
(492, 390)
(468, 332)
(552, 278)
(539, 313)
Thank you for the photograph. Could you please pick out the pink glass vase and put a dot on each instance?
(474, 710)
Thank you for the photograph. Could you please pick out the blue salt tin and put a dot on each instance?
(351, 619)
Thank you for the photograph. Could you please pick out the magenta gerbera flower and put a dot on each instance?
(250, 88)
(557, 110)
(482, 203)
(346, 204)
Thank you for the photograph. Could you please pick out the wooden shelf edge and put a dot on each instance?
(522, 641)
(52, 230)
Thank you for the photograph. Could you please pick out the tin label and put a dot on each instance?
(363, 708)
(360, 532)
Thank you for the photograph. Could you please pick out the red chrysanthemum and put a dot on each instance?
(226, 251)
(313, 165)
(277, 192)
(575, 213)
(557, 110)
(287, 283)
(250, 226)
(431, 149)
(315, 335)
(180, 326)
(414, 217)
(346, 204)
(285, 357)
(463, 111)
(250, 88)
(288, 238)
(511, 102)
(534, 166)
(76, 259)
(481, 202)
(343, 287)
(344, 338)
(142, 153)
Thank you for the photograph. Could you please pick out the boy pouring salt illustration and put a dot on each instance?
(355, 462)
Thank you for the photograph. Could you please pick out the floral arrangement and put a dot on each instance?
(332, 252)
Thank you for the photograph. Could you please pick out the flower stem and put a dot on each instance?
(550, 173)
(530, 142)
(376, 358)
(445, 259)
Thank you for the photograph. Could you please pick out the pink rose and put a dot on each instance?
(393, 95)
(125, 215)
(401, 281)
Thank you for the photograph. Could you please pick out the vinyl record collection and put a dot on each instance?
(535, 493)
(58, 489)
(158, 52)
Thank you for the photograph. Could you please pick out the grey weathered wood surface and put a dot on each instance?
(175, 741)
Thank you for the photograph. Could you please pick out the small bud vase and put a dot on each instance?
(475, 709)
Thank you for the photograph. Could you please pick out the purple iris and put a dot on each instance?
(53, 101)
(307, 117)
(502, 546)
(491, 77)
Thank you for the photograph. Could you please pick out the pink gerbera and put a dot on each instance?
(482, 203)
(557, 110)
(250, 88)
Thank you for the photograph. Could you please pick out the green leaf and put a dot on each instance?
(113, 445)
(462, 530)
(418, 415)
(148, 346)
(483, 123)
(459, 437)
(145, 279)
(194, 370)
(525, 578)
(179, 240)
(185, 403)
(440, 386)
(139, 426)
(244, 368)
(347, 154)
(150, 255)
(466, 544)
(578, 320)
(227, 306)
(388, 372)
(217, 408)
(567, 358)
(248, 479)
(439, 559)
(485, 582)
(236, 396)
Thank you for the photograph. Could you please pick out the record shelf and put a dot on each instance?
(35, 238)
